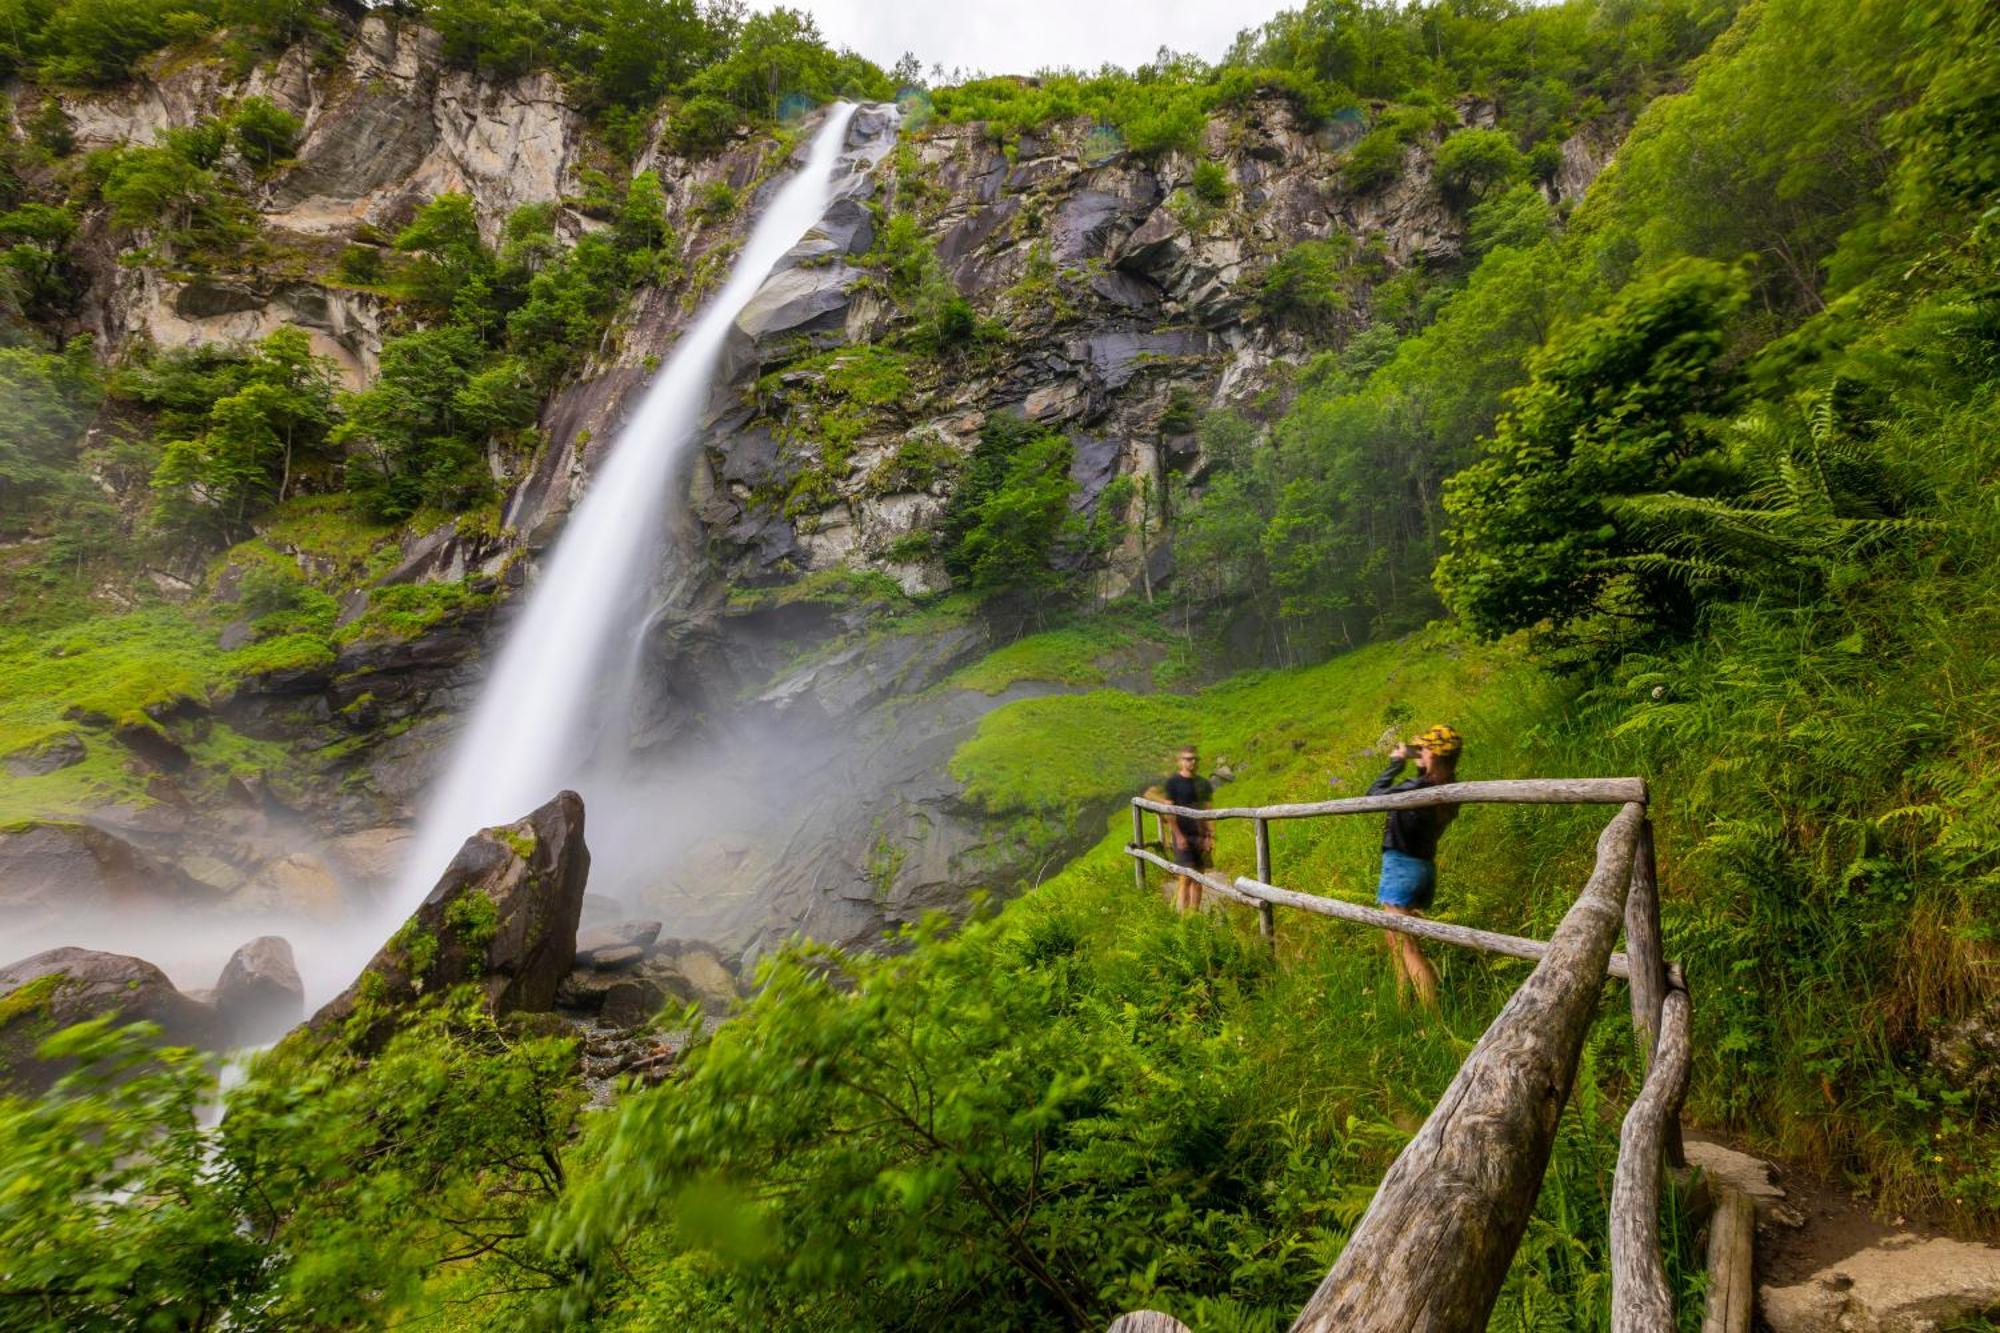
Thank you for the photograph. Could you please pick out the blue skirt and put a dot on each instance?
(1407, 881)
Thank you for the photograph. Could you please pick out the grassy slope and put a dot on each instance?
(1284, 1086)
(83, 673)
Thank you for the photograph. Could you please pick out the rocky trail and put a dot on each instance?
(1826, 1261)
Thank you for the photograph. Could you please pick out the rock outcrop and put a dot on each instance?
(40, 996)
(503, 918)
(259, 996)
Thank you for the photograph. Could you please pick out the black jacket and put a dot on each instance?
(1412, 832)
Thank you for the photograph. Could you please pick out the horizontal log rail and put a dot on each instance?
(1434, 1247)
(1528, 791)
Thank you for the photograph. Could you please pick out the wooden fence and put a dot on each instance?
(1433, 1248)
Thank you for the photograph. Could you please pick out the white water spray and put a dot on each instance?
(528, 735)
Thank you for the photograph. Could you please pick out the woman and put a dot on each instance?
(1409, 850)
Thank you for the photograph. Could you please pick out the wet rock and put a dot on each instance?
(152, 744)
(259, 996)
(503, 917)
(236, 634)
(613, 957)
(51, 868)
(619, 935)
(368, 858)
(48, 757)
(42, 995)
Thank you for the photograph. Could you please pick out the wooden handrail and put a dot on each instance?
(1444, 932)
(1435, 1244)
(1433, 1248)
(1641, 1300)
(1513, 791)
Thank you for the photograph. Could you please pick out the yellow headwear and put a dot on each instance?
(1441, 740)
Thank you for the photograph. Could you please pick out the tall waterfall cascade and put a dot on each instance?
(559, 675)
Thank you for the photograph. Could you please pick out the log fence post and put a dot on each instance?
(1641, 1300)
(1138, 840)
(1267, 924)
(1646, 952)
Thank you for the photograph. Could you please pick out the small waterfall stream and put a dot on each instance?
(530, 733)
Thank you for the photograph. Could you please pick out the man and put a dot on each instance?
(1192, 840)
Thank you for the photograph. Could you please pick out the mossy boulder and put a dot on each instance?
(42, 995)
(503, 917)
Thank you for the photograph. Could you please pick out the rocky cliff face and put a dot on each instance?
(1117, 304)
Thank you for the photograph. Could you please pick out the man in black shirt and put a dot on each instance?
(1192, 839)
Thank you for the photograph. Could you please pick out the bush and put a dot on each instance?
(703, 124)
(1211, 183)
(264, 132)
(1473, 164)
(1304, 288)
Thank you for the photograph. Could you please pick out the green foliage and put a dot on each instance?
(702, 125)
(263, 132)
(268, 420)
(333, 1189)
(1307, 286)
(45, 401)
(1000, 528)
(1476, 164)
(38, 275)
(1211, 182)
(1613, 410)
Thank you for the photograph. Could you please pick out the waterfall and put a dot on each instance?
(528, 734)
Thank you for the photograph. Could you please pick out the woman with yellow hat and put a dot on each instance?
(1409, 850)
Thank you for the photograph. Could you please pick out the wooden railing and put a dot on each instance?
(1433, 1248)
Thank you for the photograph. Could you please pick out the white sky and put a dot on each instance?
(1021, 36)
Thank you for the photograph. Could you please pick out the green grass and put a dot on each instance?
(1087, 653)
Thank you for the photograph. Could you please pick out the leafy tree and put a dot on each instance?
(999, 529)
(408, 444)
(1307, 286)
(1474, 164)
(251, 442)
(451, 256)
(45, 401)
(41, 275)
(263, 132)
(1614, 409)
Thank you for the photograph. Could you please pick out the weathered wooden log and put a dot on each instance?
(1267, 925)
(1138, 837)
(1444, 932)
(1732, 1241)
(1642, 945)
(1146, 1321)
(1641, 1301)
(1649, 979)
(1433, 1248)
(1214, 883)
(1524, 791)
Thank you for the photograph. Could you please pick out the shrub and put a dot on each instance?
(702, 125)
(263, 132)
(1473, 164)
(1211, 182)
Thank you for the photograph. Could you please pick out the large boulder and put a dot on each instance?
(259, 996)
(53, 868)
(42, 995)
(503, 917)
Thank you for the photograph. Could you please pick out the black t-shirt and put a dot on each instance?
(1412, 832)
(1195, 791)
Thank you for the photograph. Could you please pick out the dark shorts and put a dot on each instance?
(1193, 855)
(1407, 881)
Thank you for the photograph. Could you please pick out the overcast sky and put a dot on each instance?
(1022, 36)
